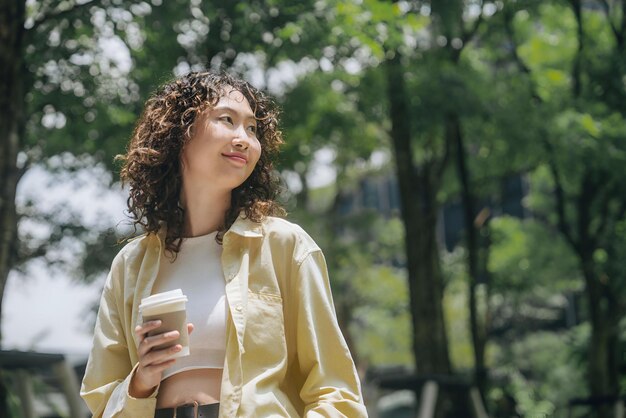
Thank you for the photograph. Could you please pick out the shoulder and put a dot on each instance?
(129, 257)
(282, 233)
(282, 229)
(134, 247)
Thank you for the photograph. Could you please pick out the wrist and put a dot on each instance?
(137, 390)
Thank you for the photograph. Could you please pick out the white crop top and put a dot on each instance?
(197, 270)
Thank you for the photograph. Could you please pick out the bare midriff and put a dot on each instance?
(200, 385)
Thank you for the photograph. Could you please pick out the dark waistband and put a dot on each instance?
(189, 411)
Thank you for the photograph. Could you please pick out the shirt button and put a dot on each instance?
(239, 308)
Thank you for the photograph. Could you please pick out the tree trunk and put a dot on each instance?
(603, 367)
(419, 213)
(345, 311)
(455, 136)
(302, 198)
(578, 59)
(12, 15)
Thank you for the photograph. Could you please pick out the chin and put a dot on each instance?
(237, 185)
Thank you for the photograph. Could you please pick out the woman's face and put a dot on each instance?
(224, 148)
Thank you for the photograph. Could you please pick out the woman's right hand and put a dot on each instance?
(152, 362)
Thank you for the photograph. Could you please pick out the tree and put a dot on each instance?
(423, 128)
(421, 181)
(493, 132)
(40, 48)
(584, 148)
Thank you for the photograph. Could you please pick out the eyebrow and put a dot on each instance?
(248, 116)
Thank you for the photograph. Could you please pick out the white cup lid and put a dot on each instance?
(175, 295)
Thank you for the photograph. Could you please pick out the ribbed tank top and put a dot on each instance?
(197, 270)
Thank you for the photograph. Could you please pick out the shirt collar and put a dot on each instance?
(246, 227)
(242, 226)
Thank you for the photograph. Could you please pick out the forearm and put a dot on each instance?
(331, 386)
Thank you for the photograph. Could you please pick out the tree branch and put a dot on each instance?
(508, 28)
(622, 33)
(619, 34)
(562, 223)
(22, 171)
(467, 35)
(605, 189)
(576, 69)
(443, 162)
(608, 217)
(60, 13)
(588, 193)
(559, 192)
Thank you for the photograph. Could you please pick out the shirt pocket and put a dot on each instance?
(265, 328)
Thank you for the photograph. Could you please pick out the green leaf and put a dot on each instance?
(589, 125)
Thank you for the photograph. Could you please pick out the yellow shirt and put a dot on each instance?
(285, 354)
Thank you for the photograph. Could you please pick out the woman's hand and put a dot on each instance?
(152, 362)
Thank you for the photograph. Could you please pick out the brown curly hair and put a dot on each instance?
(152, 163)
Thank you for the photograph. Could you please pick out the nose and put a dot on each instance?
(240, 142)
(240, 139)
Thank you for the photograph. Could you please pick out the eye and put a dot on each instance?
(226, 119)
(252, 129)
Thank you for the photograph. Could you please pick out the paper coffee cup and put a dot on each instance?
(170, 308)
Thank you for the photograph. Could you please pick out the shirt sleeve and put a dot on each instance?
(331, 387)
(109, 367)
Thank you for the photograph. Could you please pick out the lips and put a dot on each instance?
(236, 156)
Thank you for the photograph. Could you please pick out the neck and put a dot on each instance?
(205, 209)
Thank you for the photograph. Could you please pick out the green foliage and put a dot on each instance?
(526, 256)
(323, 113)
(543, 371)
(382, 325)
(80, 100)
(528, 402)
(376, 26)
(549, 52)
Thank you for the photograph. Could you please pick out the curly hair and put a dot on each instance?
(152, 163)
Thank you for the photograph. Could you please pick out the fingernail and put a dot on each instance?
(177, 348)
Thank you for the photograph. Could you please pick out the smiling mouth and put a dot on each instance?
(236, 158)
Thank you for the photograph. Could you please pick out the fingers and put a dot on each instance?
(190, 328)
(156, 359)
(142, 330)
(146, 351)
(149, 343)
(153, 359)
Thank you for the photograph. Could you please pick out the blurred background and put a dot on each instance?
(461, 163)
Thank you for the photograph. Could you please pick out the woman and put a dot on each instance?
(265, 338)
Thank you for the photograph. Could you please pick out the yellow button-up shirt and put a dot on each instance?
(285, 354)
